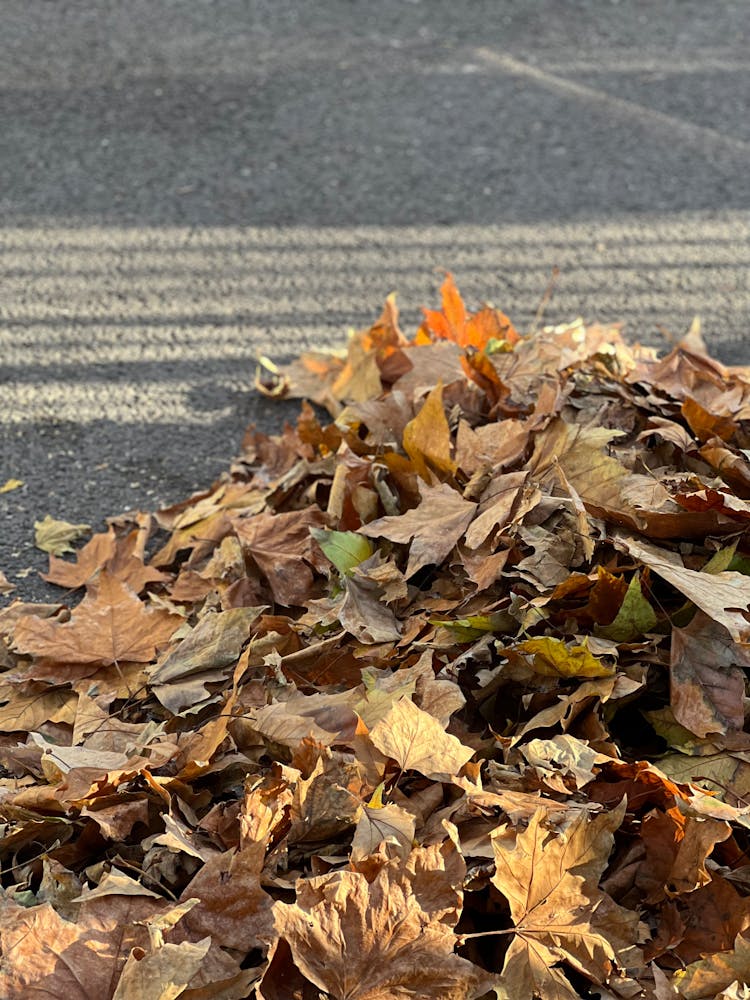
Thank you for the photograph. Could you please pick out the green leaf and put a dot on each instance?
(345, 549)
(635, 617)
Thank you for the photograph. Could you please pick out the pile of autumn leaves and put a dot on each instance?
(442, 699)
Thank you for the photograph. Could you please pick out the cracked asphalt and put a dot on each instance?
(185, 183)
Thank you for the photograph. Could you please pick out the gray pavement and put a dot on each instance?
(183, 184)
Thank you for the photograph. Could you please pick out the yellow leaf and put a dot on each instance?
(553, 658)
(55, 536)
(11, 484)
(427, 438)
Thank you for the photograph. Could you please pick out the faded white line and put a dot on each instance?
(632, 111)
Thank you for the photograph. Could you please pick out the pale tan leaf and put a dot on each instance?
(360, 940)
(390, 825)
(162, 974)
(560, 914)
(417, 742)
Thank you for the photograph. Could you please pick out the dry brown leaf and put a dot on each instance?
(202, 656)
(108, 626)
(385, 825)
(46, 955)
(282, 547)
(427, 438)
(362, 940)
(433, 528)
(161, 974)
(90, 559)
(707, 679)
(560, 915)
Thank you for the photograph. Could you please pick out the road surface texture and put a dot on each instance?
(183, 184)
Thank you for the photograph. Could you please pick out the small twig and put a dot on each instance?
(545, 299)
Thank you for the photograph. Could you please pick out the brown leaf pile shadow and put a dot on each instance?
(444, 698)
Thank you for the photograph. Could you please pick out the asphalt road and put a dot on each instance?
(183, 184)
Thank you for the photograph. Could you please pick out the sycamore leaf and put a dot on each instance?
(232, 907)
(707, 978)
(163, 974)
(55, 536)
(89, 560)
(427, 438)
(559, 913)
(360, 939)
(108, 626)
(45, 955)
(433, 528)
(417, 742)
(364, 614)
(204, 655)
(284, 550)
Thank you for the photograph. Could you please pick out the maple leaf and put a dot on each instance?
(558, 911)
(454, 323)
(231, 906)
(161, 974)
(90, 559)
(46, 955)
(110, 625)
(373, 940)
(224, 752)
(708, 977)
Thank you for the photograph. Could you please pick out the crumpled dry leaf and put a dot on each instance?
(284, 550)
(51, 535)
(373, 940)
(433, 528)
